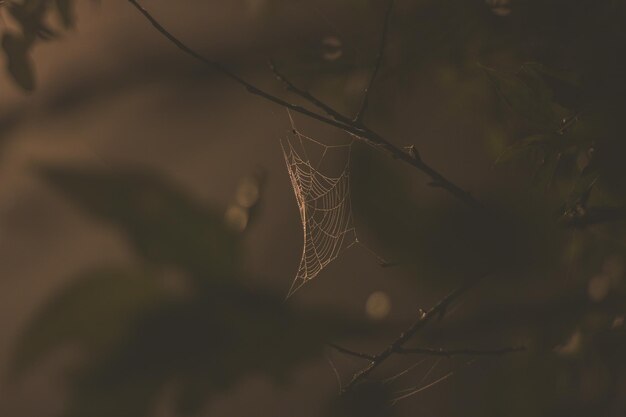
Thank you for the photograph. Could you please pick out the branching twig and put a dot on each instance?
(460, 352)
(351, 352)
(359, 130)
(217, 66)
(432, 352)
(411, 156)
(339, 121)
(398, 344)
(308, 96)
(379, 59)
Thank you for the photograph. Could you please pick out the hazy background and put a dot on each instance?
(123, 292)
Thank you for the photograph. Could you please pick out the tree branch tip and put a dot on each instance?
(460, 352)
(350, 352)
(334, 118)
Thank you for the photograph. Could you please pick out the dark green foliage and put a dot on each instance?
(529, 96)
(19, 64)
(185, 320)
(66, 11)
(369, 399)
(32, 19)
(165, 226)
(145, 329)
(109, 301)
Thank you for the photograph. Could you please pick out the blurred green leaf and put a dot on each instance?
(96, 310)
(576, 208)
(524, 145)
(528, 95)
(564, 85)
(538, 69)
(19, 65)
(165, 225)
(139, 342)
(369, 399)
(32, 17)
(139, 339)
(66, 11)
(583, 185)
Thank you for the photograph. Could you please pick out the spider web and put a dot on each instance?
(323, 199)
(428, 380)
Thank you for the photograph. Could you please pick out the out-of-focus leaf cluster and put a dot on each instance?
(540, 88)
(32, 22)
(181, 319)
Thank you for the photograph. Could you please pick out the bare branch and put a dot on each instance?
(358, 130)
(420, 323)
(461, 352)
(351, 352)
(411, 156)
(308, 96)
(379, 59)
(217, 66)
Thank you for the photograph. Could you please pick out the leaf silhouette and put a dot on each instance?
(529, 96)
(138, 341)
(165, 225)
(19, 65)
(96, 310)
(139, 338)
(524, 145)
(66, 11)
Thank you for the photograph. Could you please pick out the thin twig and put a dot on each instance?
(351, 352)
(411, 156)
(367, 135)
(371, 138)
(460, 352)
(308, 96)
(379, 59)
(423, 320)
(217, 66)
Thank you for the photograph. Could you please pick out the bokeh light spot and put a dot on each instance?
(331, 48)
(572, 346)
(237, 218)
(599, 287)
(378, 305)
(247, 193)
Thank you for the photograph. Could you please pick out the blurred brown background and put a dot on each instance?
(125, 293)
